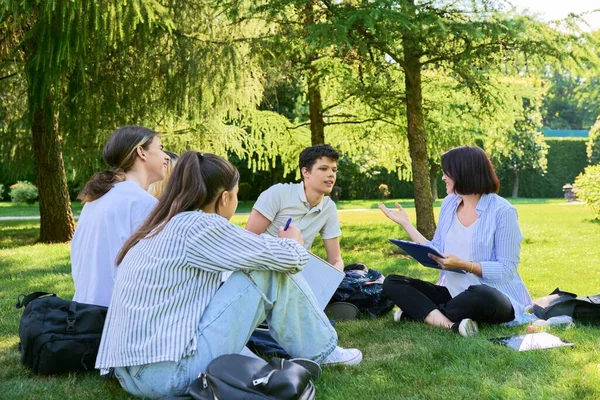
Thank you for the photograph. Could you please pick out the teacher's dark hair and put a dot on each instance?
(471, 170)
(197, 180)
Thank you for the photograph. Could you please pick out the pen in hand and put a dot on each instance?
(287, 224)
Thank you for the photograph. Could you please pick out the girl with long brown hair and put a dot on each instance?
(168, 318)
(115, 204)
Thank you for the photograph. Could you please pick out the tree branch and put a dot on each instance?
(8, 76)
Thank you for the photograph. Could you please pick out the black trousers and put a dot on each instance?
(417, 298)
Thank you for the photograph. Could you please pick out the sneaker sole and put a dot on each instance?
(468, 329)
(353, 361)
(311, 366)
(341, 311)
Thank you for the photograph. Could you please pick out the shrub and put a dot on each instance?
(244, 190)
(593, 144)
(383, 190)
(23, 192)
(1, 191)
(587, 188)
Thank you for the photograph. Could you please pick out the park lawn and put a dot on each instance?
(401, 360)
(8, 209)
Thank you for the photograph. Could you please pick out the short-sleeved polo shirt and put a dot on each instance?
(285, 200)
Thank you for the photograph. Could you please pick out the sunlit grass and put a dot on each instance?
(402, 360)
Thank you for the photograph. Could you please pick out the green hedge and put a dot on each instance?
(566, 159)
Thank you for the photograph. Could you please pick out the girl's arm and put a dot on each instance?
(218, 245)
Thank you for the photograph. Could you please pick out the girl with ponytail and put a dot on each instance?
(169, 317)
(115, 204)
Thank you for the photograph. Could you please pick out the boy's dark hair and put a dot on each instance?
(471, 170)
(310, 155)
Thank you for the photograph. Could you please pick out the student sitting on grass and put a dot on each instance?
(168, 318)
(115, 204)
(305, 203)
(478, 233)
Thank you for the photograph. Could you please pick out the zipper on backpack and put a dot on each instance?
(264, 380)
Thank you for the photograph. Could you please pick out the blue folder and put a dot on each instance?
(419, 252)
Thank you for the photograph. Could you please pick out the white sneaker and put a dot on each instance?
(341, 356)
(398, 315)
(467, 328)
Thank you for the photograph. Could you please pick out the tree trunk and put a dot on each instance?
(56, 218)
(417, 138)
(515, 192)
(433, 172)
(315, 106)
(274, 179)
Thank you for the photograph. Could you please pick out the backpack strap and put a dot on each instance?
(71, 318)
(563, 293)
(23, 301)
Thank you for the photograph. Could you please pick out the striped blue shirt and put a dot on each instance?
(165, 283)
(496, 246)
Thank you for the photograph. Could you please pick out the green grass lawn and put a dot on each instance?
(401, 360)
(8, 209)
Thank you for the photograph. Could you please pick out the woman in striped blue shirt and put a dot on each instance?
(168, 318)
(478, 233)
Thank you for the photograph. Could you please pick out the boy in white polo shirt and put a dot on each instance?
(305, 202)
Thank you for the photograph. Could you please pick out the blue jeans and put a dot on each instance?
(244, 301)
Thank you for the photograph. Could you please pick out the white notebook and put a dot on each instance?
(323, 278)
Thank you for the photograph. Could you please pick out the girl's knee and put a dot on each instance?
(393, 283)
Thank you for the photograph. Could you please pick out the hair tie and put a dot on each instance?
(200, 157)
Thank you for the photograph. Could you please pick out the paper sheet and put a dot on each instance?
(323, 278)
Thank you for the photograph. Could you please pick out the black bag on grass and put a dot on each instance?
(234, 376)
(57, 335)
(363, 287)
(580, 308)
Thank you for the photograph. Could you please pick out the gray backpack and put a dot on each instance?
(580, 308)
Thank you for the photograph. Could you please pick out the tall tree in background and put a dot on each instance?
(91, 66)
(468, 39)
(53, 41)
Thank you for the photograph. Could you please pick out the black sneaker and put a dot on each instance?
(341, 310)
(311, 366)
(465, 328)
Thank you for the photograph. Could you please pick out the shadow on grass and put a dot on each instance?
(18, 233)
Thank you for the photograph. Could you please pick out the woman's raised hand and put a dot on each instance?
(291, 233)
(400, 216)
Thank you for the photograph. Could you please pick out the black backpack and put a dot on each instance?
(580, 308)
(57, 335)
(363, 287)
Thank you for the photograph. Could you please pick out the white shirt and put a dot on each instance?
(288, 200)
(459, 242)
(165, 283)
(103, 227)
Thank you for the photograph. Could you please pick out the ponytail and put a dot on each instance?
(197, 180)
(100, 184)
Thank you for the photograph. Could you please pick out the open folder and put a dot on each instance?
(323, 279)
(420, 253)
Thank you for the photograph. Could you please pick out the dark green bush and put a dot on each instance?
(244, 191)
(566, 159)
